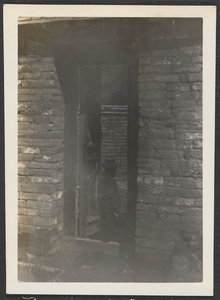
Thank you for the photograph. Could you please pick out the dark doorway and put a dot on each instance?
(101, 125)
(107, 153)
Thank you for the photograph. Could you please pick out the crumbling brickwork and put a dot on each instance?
(169, 203)
(40, 155)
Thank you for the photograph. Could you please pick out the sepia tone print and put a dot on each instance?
(110, 149)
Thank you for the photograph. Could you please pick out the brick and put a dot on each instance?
(151, 188)
(170, 210)
(160, 104)
(188, 183)
(184, 95)
(145, 220)
(184, 87)
(181, 60)
(146, 198)
(49, 158)
(186, 106)
(170, 218)
(36, 172)
(57, 195)
(180, 168)
(151, 86)
(49, 75)
(30, 150)
(166, 133)
(167, 53)
(167, 78)
(30, 98)
(41, 83)
(199, 183)
(195, 154)
(40, 91)
(43, 179)
(29, 76)
(164, 144)
(47, 213)
(32, 68)
(191, 136)
(41, 118)
(199, 202)
(196, 126)
(176, 153)
(30, 106)
(144, 60)
(191, 220)
(188, 116)
(44, 127)
(26, 228)
(51, 150)
(22, 118)
(195, 167)
(39, 142)
(193, 212)
(41, 135)
(195, 68)
(197, 144)
(193, 51)
(164, 154)
(149, 165)
(149, 152)
(197, 86)
(27, 211)
(152, 95)
(38, 188)
(23, 126)
(197, 59)
(25, 220)
(184, 193)
(185, 202)
(34, 59)
(157, 114)
(39, 221)
(25, 157)
(156, 69)
(195, 77)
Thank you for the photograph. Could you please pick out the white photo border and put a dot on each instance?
(11, 13)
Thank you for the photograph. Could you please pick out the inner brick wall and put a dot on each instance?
(114, 123)
(40, 155)
(169, 202)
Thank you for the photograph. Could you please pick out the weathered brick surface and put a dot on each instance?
(169, 204)
(114, 144)
(40, 154)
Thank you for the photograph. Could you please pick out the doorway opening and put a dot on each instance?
(106, 157)
(102, 151)
(101, 133)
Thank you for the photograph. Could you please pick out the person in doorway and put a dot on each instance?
(109, 203)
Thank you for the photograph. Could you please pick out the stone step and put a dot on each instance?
(90, 245)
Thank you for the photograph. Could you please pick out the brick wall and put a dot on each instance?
(40, 155)
(169, 204)
(114, 121)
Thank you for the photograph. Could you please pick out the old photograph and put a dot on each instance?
(110, 149)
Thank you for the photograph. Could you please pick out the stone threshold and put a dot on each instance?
(91, 245)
